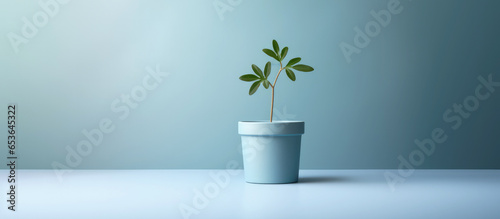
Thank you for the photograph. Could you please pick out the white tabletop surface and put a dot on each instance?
(319, 194)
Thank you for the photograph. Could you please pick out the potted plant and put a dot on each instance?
(271, 149)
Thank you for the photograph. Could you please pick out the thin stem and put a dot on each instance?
(272, 86)
(281, 68)
(272, 104)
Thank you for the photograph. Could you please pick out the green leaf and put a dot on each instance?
(266, 83)
(276, 47)
(283, 53)
(257, 71)
(293, 61)
(249, 77)
(254, 87)
(304, 68)
(290, 74)
(271, 53)
(267, 69)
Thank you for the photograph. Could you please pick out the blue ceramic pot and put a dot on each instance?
(271, 150)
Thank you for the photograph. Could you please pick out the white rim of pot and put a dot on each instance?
(275, 128)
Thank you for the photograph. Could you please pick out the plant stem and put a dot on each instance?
(272, 86)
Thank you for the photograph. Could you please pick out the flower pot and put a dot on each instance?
(271, 150)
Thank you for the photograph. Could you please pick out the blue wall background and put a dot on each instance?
(362, 114)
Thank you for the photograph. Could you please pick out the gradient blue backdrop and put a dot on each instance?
(362, 114)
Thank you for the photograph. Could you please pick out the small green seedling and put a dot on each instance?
(261, 77)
